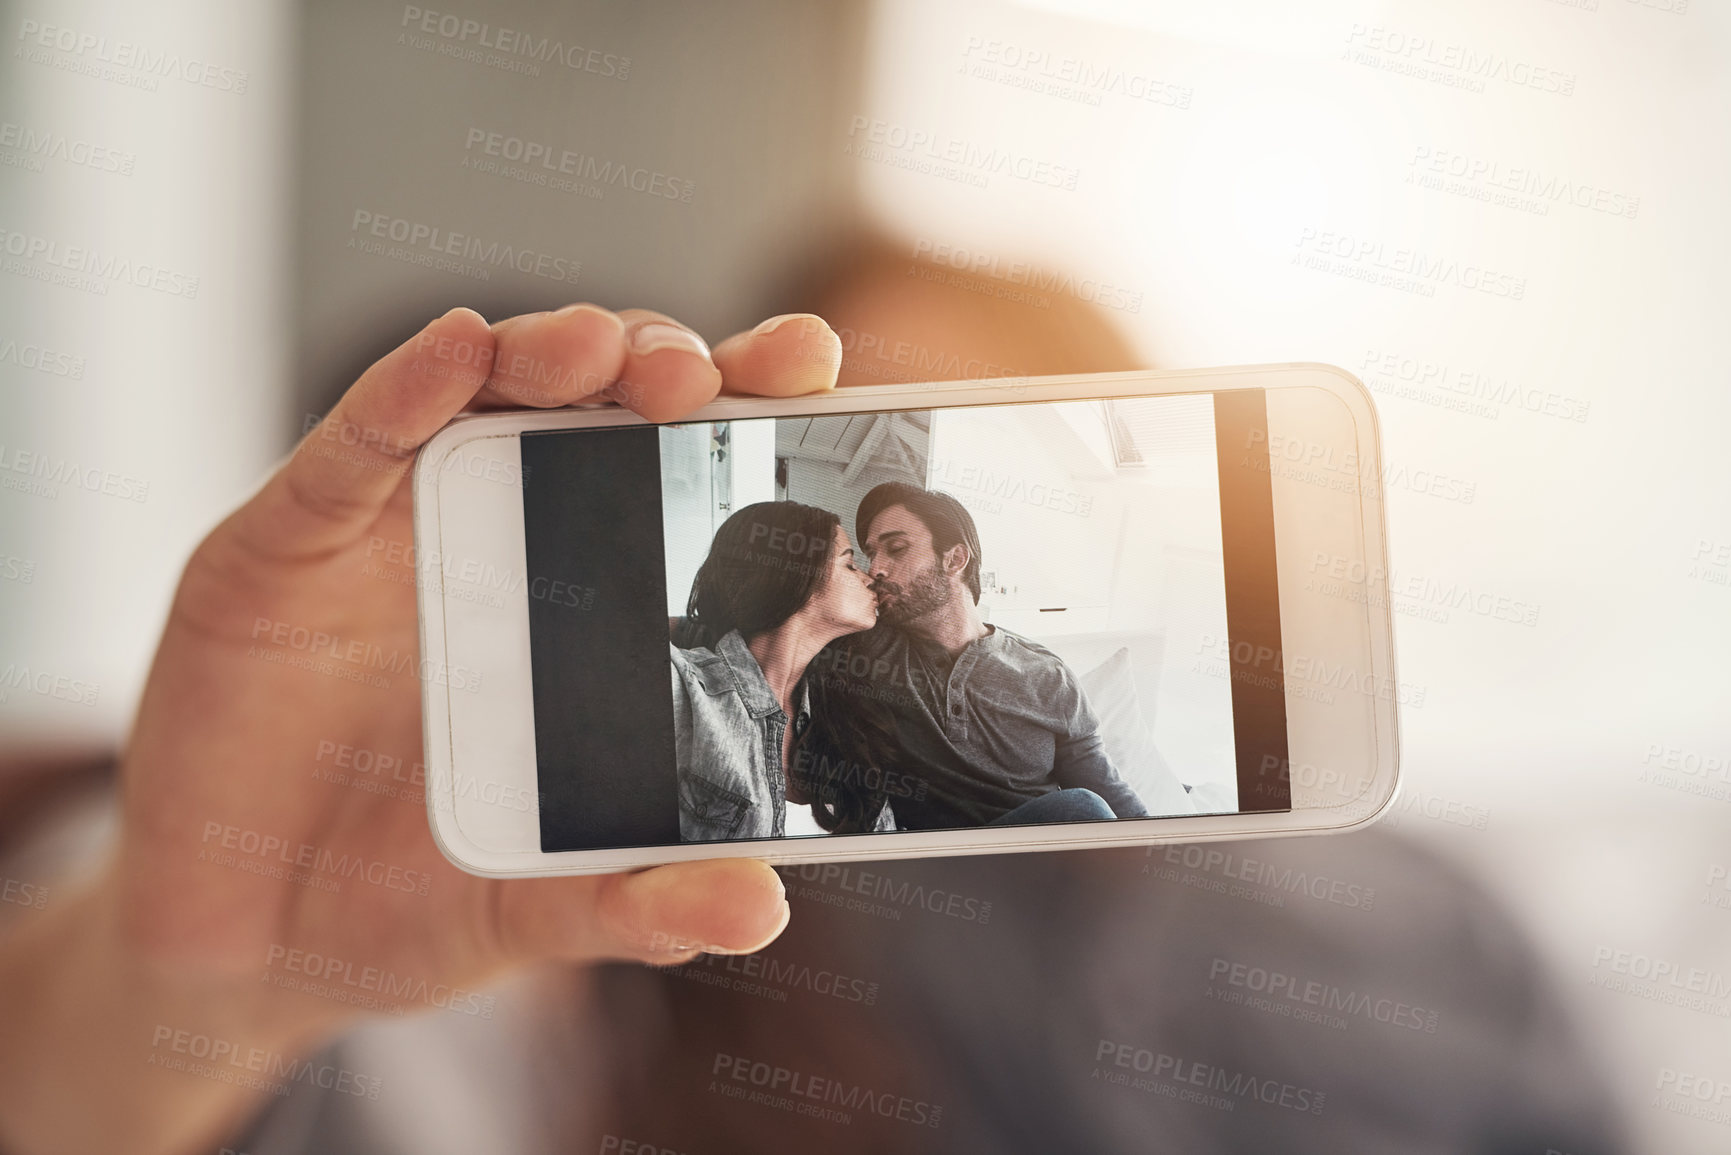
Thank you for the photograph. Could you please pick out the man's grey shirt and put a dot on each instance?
(1007, 723)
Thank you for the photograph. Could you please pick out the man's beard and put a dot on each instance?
(928, 591)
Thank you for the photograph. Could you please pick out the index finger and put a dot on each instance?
(784, 356)
(341, 475)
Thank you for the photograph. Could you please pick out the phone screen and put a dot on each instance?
(931, 619)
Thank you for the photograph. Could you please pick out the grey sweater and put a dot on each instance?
(1002, 725)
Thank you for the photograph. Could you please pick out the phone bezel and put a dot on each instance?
(1380, 779)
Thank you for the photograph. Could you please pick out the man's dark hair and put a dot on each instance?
(948, 520)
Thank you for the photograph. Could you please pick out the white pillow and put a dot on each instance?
(1111, 690)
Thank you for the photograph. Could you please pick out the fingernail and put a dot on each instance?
(586, 309)
(777, 322)
(786, 917)
(656, 336)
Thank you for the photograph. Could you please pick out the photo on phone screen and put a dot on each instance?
(916, 620)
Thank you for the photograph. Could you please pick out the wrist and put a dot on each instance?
(111, 1047)
(122, 952)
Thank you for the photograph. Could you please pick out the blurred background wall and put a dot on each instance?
(668, 156)
(165, 395)
(1507, 218)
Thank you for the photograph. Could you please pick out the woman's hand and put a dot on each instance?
(237, 851)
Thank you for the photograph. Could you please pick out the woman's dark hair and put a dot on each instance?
(766, 562)
(846, 758)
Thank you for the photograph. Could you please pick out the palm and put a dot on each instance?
(201, 795)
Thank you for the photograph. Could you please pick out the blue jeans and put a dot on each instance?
(1072, 805)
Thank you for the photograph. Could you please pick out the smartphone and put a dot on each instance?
(908, 620)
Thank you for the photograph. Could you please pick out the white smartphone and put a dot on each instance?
(908, 620)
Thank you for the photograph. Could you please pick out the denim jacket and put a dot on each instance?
(727, 731)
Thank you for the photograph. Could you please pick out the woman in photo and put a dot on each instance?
(779, 585)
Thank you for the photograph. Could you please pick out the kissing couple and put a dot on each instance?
(822, 690)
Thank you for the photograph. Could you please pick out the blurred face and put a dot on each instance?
(845, 600)
(906, 571)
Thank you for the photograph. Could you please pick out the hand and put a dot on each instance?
(222, 777)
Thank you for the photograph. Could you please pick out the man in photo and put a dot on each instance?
(996, 725)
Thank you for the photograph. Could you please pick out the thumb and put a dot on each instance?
(664, 915)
